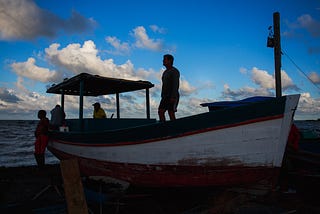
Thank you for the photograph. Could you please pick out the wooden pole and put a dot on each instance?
(76, 201)
(277, 53)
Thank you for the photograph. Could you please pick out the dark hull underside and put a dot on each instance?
(175, 175)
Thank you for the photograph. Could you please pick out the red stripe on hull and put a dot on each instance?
(173, 175)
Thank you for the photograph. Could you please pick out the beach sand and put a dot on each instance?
(21, 185)
(30, 190)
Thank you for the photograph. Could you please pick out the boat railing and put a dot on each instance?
(91, 124)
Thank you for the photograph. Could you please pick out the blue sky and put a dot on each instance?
(219, 48)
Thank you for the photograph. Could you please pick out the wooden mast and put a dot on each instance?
(277, 52)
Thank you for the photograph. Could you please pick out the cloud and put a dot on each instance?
(143, 41)
(314, 77)
(121, 48)
(78, 59)
(20, 84)
(262, 78)
(244, 92)
(243, 70)
(264, 81)
(30, 70)
(185, 88)
(191, 106)
(307, 22)
(287, 83)
(8, 95)
(309, 106)
(24, 20)
(158, 29)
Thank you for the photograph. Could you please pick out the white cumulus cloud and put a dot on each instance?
(30, 70)
(143, 40)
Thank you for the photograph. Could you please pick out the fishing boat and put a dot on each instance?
(235, 142)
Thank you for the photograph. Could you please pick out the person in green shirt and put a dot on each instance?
(98, 112)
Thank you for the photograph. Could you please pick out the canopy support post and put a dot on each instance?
(62, 100)
(81, 104)
(148, 103)
(118, 105)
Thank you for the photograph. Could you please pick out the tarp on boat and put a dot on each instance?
(227, 104)
(95, 85)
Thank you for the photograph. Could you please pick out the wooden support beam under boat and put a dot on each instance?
(76, 200)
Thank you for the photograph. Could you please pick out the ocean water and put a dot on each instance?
(17, 141)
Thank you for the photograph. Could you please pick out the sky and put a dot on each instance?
(219, 48)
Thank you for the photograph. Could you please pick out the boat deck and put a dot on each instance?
(90, 124)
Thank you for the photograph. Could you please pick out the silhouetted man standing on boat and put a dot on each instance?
(170, 89)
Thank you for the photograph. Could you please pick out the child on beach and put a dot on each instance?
(41, 134)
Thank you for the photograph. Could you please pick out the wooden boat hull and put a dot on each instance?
(237, 145)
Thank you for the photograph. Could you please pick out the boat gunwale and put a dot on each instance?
(161, 138)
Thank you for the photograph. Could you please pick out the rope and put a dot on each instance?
(299, 69)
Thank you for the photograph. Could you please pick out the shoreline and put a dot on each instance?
(27, 188)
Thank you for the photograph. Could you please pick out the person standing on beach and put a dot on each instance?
(57, 117)
(41, 134)
(170, 89)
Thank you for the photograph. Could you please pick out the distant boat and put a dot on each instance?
(233, 143)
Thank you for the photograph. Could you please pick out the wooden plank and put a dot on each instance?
(76, 201)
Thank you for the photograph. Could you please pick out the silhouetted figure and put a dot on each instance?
(57, 117)
(41, 134)
(98, 112)
(170, 89)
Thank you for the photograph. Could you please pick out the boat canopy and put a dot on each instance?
(95, 85)
(85, 84)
